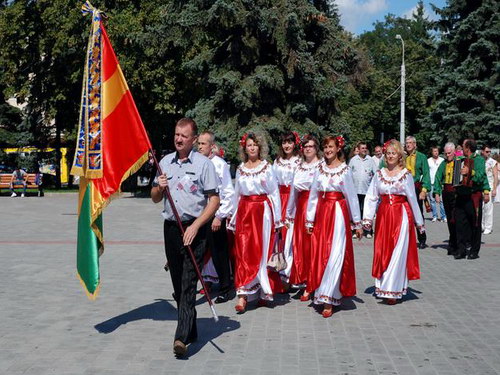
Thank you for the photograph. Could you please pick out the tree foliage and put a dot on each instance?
(465, 92)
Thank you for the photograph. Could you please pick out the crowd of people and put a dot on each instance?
(309, 205)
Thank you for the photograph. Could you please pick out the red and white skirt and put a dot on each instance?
(253, 241)
(300, 243)
(331, 274)
(395, 256)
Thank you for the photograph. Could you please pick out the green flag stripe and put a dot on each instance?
(87, 254)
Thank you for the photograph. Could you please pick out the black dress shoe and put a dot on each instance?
(222, 298)
(459, 256)
(473, 256)
(422, 245)
(180, 349)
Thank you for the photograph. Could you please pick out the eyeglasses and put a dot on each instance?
(309, 146)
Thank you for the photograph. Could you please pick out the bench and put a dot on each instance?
(31, 182)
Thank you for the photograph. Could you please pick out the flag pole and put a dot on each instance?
(167, 194)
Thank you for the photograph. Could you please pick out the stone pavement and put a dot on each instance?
(448, 324)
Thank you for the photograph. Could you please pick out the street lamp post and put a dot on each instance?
(403, 78)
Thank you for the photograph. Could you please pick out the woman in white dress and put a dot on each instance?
(395, 259)
(256, 219)
(298, 245)
(333, 204)
(284, 168)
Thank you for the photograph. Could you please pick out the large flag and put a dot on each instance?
(112, 144)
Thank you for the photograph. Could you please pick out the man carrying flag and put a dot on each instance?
(193, 184)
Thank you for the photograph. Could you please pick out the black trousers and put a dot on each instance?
(184, 277)
(361, 199)
(219, 248)
(422, 237)
(468, 225)
(449, 208)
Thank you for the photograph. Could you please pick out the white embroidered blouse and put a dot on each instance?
(302, 180)
(257, 181)
(400, 184)
(333, 179)
(284, 169)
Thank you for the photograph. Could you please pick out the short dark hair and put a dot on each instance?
(485, 146)
(185, 121)
(288, 136)
(470, 144)
(309, 137)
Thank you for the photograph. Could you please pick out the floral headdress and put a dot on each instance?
(340, 141)
(386, 145)
(297, 138)
(243, 140)
(222, 152)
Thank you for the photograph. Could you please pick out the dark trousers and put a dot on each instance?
(449, 208)
(218, 244)
(361, 199)
(422, 237)
(468, 225)
(184, 277)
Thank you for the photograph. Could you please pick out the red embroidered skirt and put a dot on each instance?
(322, 244)
(387, 231)
(248, 240)
(301, 241)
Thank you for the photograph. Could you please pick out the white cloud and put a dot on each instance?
(354, 13)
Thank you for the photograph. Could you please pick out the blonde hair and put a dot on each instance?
(261, 142)
(399, 150)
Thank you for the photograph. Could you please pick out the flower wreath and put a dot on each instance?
(340, 141)
(243, 140)
(386, 145)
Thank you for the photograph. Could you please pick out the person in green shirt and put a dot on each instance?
(469, 202)
(444, 190)
(416, 164)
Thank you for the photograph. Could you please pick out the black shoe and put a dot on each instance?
(459, 256)
(473, 256)
(422, 245)
(180, 349)
(222, 298)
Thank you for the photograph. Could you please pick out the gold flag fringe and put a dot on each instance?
(90, 296)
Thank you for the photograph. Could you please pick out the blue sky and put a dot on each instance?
(359, 15)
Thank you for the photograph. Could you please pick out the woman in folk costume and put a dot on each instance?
(332, 205)
(299, 248)
(395, 259)
(257, 217)
(284, 169)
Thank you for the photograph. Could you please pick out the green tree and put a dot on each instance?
(262, 64)
(465, 92)
(373, 107)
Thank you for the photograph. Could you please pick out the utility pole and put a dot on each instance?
(403, 79)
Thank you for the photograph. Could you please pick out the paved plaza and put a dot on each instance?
(448, 324)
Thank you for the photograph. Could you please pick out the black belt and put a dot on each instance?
(185, 224)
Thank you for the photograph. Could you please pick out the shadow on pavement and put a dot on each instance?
(162, 309)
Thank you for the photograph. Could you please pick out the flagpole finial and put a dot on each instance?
(88, 8)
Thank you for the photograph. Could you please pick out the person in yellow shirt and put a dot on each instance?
(416, 164)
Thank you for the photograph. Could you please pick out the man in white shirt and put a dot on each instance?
(492, 175)
(377, 156)
(217, 236)
(363, 169)
(434, 162)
